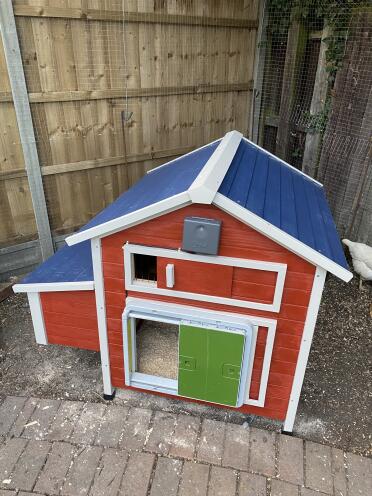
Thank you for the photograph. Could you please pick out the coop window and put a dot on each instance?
(145, 268)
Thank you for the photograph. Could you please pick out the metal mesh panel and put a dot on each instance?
(315, 102)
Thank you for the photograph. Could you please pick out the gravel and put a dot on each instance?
(335, 404)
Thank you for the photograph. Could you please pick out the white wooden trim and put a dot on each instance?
(282, 161)
(289, 242)
(129, 220)
(37, 318)
(26, 130)
(307, 337)
(174, 313)
(54, 286)
(135, 285)
(101, 314)
(206, 184)
(182, 156)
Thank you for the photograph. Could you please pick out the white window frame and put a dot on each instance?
(175, 314)
(131, 283)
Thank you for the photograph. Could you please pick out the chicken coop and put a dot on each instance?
(201, 282)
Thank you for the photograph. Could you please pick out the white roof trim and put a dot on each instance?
(292, 244)
(206, 184)
(282, 161)
(41, 287)
(125, 221)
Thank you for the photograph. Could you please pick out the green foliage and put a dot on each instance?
(316, 123)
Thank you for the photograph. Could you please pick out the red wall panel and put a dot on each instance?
(70, 318)
(237, 240)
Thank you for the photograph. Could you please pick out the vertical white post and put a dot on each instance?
(307, 337)
(37, 318)
(25, 126)
(101, 315)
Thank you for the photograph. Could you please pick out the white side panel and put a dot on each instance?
(101, 314)
(307, 337)
(37, 318)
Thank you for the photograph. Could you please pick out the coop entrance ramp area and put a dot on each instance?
(157, 348)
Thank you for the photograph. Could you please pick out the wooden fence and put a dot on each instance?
(183, 68)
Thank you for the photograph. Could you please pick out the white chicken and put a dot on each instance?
(362, 260)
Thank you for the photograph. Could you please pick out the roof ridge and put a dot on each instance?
(206, 184)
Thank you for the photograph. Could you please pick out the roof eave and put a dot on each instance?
(286, 240)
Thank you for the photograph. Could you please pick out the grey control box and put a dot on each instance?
(201, 235)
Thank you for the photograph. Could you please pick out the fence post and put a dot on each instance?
(25, 126)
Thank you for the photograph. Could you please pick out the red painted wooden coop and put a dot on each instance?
(202, 282)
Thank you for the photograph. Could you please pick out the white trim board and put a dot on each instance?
(129, 220)
(101, 314)
(151, 287)
(307, 337)
(173, 313)
(37, 318)
(206, 184)
(282, 238)
(54, 286)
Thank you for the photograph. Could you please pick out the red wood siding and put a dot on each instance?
(70, 318)
(237, 240)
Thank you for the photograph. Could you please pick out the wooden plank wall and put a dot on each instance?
(186, 66)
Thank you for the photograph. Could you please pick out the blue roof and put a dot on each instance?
(163, 182)
(284, 197)
(69, 264)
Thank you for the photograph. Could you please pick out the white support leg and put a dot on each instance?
(307, 337)
(101, 316)
(37, 318)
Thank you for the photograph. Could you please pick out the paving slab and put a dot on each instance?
(252, 485)
(262, 452)
(4, 492)
(222, 482)
(359, 472)
(88, 424)
(305, 491)
(40, 420)
(112, 426)
(137, 474)
(236, 448)
(10, 408)
(185, 436)
(194, 479)
(64, 421)
(290, 462)
(318, 474)
(167, 477)
(55, 469)
(282, 488)
(81, 474)
(161, 433)
(135, 429)
(110, 471)
(339, 472)
(9, 455)
(211, 441)
(29, 465)
(24, 416)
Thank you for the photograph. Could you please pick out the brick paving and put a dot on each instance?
(67, 448)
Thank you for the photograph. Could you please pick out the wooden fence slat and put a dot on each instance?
(144, 17)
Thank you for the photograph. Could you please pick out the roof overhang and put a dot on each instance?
(43, 287)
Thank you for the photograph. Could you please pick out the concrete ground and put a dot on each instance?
(70, 448)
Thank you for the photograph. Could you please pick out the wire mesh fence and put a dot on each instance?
(315, 102)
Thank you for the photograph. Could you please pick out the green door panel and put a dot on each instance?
(210, 364)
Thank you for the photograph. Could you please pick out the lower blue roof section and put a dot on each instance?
(69, 264)
(284, 197)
